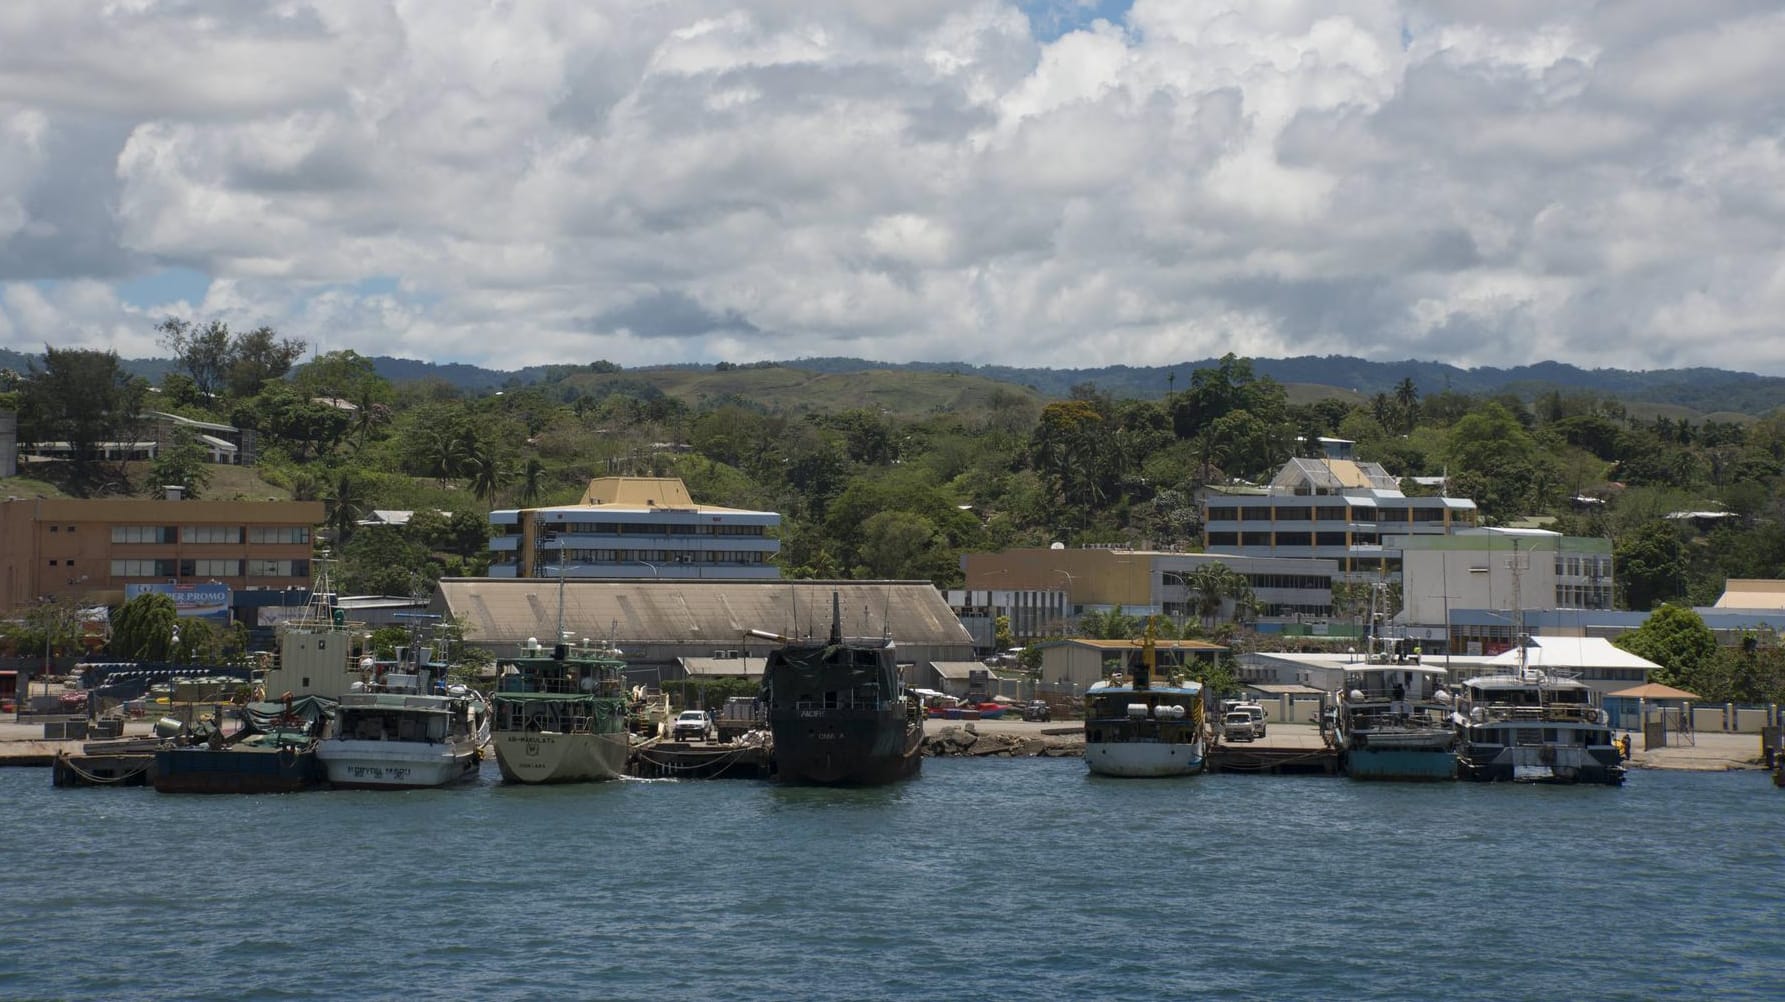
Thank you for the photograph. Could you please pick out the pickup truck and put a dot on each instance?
(1237, 726)
(739, 715)
(692, 724)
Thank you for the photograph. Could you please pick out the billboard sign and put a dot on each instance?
(204, 601)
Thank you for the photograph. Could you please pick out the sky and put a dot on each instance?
(1056, 183)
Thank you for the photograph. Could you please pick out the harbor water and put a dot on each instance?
(1020, 878)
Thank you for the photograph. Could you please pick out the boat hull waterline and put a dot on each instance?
(388, 765)
(549, 757)
(1144, 759)
(840, 748)
(1415, 764)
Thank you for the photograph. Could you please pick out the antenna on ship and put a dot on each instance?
(836, 619)
(559, 649)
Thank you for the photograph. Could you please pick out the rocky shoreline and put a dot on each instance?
(965, 741)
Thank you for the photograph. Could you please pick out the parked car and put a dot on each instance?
(1037, 709)
(1237, 726)
(692, 724)
(1254, 711)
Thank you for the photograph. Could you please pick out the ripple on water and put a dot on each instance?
(1024, 878)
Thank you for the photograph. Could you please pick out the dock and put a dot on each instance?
(120, 762)
(1283, 751)
(701, 760)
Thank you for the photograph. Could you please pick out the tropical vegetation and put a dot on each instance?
(897, 474)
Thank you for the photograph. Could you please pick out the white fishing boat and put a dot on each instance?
(406, 730)
(1142, 725)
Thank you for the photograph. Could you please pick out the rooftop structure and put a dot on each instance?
(1338, 509)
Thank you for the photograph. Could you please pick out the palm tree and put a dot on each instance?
(1111, 624)
(532, 481)
(446, 452)
(345, 501)
(1382, 408)
(1407, 395)
(1214, 586)
(487, 473)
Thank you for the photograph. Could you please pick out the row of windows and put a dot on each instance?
(209, 568)
(1259, 581)
(273, 534)
(1338, 513)
(144, 534)
(665, 558)
(650, 529)
(1571, 597)
(1288, 539)
(1588, 567)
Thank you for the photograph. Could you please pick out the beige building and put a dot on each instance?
(93, 548)
(1072, 665)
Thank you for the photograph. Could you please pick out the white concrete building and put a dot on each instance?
(1506, 570)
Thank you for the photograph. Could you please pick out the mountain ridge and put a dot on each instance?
(1702, 389)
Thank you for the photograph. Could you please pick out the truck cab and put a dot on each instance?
(1237, 725)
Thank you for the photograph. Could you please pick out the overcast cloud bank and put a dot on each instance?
(519, 183)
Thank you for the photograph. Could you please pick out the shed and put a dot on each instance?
(1074, 664)
(663, 624)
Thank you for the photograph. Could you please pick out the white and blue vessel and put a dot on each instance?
(1142, 725)
(1392, 721)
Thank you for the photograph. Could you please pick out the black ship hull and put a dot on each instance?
(846, 747)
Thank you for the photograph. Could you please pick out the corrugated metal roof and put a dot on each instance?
(1574, 652)
(957, 669)
(715, 614)
(1164, 645)
(723, 667)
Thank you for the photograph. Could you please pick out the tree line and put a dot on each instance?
(871, 494)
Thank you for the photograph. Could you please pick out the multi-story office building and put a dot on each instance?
(634, 527)
(1043, 591)
(1336, 509)
(94, 548)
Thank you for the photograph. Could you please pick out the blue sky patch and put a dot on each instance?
(1052, 18)
(165, 286)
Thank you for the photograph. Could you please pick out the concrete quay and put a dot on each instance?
(23, 744)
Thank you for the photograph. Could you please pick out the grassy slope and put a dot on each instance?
(796, 391)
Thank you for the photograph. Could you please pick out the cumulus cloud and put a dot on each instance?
(1061, 182)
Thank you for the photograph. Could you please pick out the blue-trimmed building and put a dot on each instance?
(1332, 508)
(635, 527)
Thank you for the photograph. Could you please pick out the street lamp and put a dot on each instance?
(652, 566)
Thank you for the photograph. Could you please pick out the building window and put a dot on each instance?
(54, 528)
(142, 568)
(143, 534)
(278, 534)
(278, 568)
(210, 568)
(213, 534)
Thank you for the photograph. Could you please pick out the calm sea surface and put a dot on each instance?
(1020, 878)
